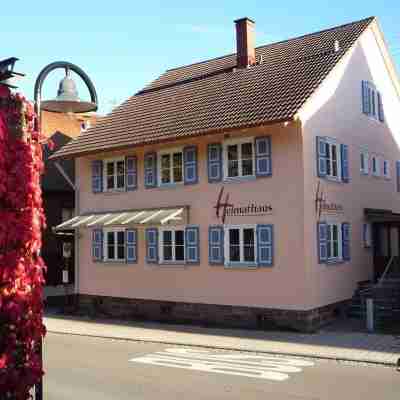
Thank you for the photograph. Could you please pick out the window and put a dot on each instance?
(171, 167)
(334, 242)
(114, 245)
(240, 244)
(239, 158)
(364, 163)
(372, 101)
(376, 169)
(333, 161)
(386, 169)
(172, 245)
(114, 174)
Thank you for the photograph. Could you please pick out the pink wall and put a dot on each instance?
(336, 111)
(281, 286)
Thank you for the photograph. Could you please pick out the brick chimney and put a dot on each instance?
(245, 39)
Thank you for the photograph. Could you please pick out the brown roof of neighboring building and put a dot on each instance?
(213, 96)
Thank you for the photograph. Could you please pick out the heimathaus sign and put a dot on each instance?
(224, 208)
(322, 205)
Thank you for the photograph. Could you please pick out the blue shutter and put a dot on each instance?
(263, 156)
(192, 248)
(97, 176)
(214, 162)
(346, 241)
(216, 245)
(150, 170)
(131, 245)
(97, 245)
(265, 240)
(322, 235)
(398, 175)
(131, 172)
(321, 157)
(344, 156)
(152, 245)
(190, 162)
(381, 113)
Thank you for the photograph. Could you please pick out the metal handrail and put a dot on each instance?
(381, 279)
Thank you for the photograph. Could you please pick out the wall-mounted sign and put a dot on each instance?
(224, 208)
(323, 205)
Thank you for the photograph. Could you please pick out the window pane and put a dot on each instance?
(165, 176)
(247, 150)
(328, 158)
(232, 152)
(234, 253)
(179, 238)
(167, 237)
(179, 253)
(247, 167)
(334, 168)
(167, 253)
(165, 168)
(111, 252)
(120, 167)
(110, 238)
(120, 181)
(110, 168)
(233, 168)
(334, 232)
(121, 252)
(234, 236)
(249, 253)
(335, 249)
(121, 238)
(110, 182)
(165, 161)
(177, 165)
(248, 236)
(362, 161)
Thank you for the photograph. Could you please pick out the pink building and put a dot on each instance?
(244, 190)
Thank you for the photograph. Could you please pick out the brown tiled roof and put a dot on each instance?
(213, 96)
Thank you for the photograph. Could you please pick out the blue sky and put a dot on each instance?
(123, 45)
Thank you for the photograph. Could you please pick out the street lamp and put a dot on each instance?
(67, 101)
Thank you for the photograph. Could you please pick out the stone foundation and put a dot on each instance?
(208, 314)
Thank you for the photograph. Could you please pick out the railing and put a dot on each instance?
(383, 276)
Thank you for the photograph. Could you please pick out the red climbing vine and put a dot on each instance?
(21, 267)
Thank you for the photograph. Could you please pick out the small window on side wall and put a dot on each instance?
(364, 162)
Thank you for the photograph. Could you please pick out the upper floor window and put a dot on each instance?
(114, 174)
(376, 167)
(372, 101)
(332, 159)
(171, 167)
(239, 158)
(386, 169)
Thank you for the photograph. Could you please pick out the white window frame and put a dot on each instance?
(377, 172)
(171, 167)
(331, 242)
(365, 156)
(105, 244)
(332, 142)
(239, 142)
(227, 261)
(386, 169)
(114, 160)
(161, 245)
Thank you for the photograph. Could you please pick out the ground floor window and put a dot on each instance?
(172, 245)
(240, 244)
(114, 245)
(334, 242)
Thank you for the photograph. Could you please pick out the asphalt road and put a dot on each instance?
(103, 369)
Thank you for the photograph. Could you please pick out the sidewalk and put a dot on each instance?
(345, 346)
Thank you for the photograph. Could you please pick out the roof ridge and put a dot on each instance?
(274, 43)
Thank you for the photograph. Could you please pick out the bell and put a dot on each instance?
(67, 100)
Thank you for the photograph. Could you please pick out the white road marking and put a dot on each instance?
(261, 367)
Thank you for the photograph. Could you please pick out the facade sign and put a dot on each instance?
(224, 208)
(323, 205)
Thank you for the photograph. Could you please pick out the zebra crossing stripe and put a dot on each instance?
(261, 367)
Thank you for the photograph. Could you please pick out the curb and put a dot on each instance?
(248, 350)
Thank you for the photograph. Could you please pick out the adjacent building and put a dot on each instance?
(247, 190)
